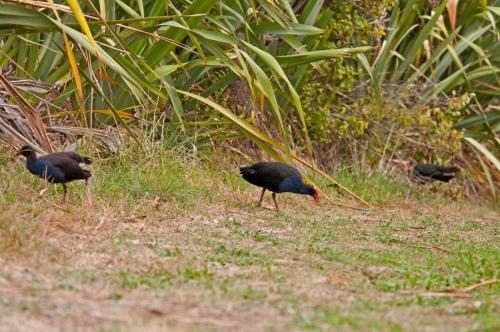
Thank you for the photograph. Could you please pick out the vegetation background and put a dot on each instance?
(353, 92)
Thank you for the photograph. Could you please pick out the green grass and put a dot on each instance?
(156, 281)
(239, 256)
(206, 254)
(324, 318)
(377, 187)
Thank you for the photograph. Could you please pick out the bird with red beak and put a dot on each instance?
(278, 178)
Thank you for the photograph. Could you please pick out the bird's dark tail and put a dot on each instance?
(446, 170)
(86, 174)
(87, 160)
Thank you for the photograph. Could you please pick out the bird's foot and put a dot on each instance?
(270, 208)
(88, 197)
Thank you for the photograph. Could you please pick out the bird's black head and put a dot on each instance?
(312, 191)
(26, 151)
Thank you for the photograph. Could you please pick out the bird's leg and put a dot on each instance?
(46, 186)
(65, 189)
(87, 191)
(275, 202)
(262, 196)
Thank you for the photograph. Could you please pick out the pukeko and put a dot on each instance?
(57, 167)
(278, 178)
(429, 172)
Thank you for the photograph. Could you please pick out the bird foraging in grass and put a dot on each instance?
(429, 172)
(57, 167)
(278, 178)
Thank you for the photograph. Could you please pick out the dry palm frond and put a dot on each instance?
(20, 122)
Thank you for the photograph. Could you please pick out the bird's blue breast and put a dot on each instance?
(292, 184)
(45, 169)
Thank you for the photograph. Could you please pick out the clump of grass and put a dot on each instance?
(168, 172)
(426, 270)
(154, 281)
(130, 177)
(376, 187)
(19, 236)
(248, 293)
(324, 318)
(237, 255)
(157, 280)
(381, 188)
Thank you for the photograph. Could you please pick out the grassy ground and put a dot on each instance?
(168, 244)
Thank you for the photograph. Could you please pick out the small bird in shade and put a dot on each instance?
(429, 172)
(57, 167)
(278, 178)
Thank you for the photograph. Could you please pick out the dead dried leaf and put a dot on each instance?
(156, 203)
(451, 7)
(134, 219)
(337, 279)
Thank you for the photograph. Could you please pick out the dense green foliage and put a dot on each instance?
(330, 115)
(429, 86)
(412, 89)
(117, 63)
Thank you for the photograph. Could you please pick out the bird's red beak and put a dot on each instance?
(315, 196)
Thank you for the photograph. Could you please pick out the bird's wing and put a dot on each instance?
(271, 175)
(447, 170)
(68, 166)
(430, 169)
(280, 169)
(424, 169)
(71, 155)
(435, 172)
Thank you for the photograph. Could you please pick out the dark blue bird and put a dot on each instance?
(57, 167)
(429, 172)
(278, 178)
